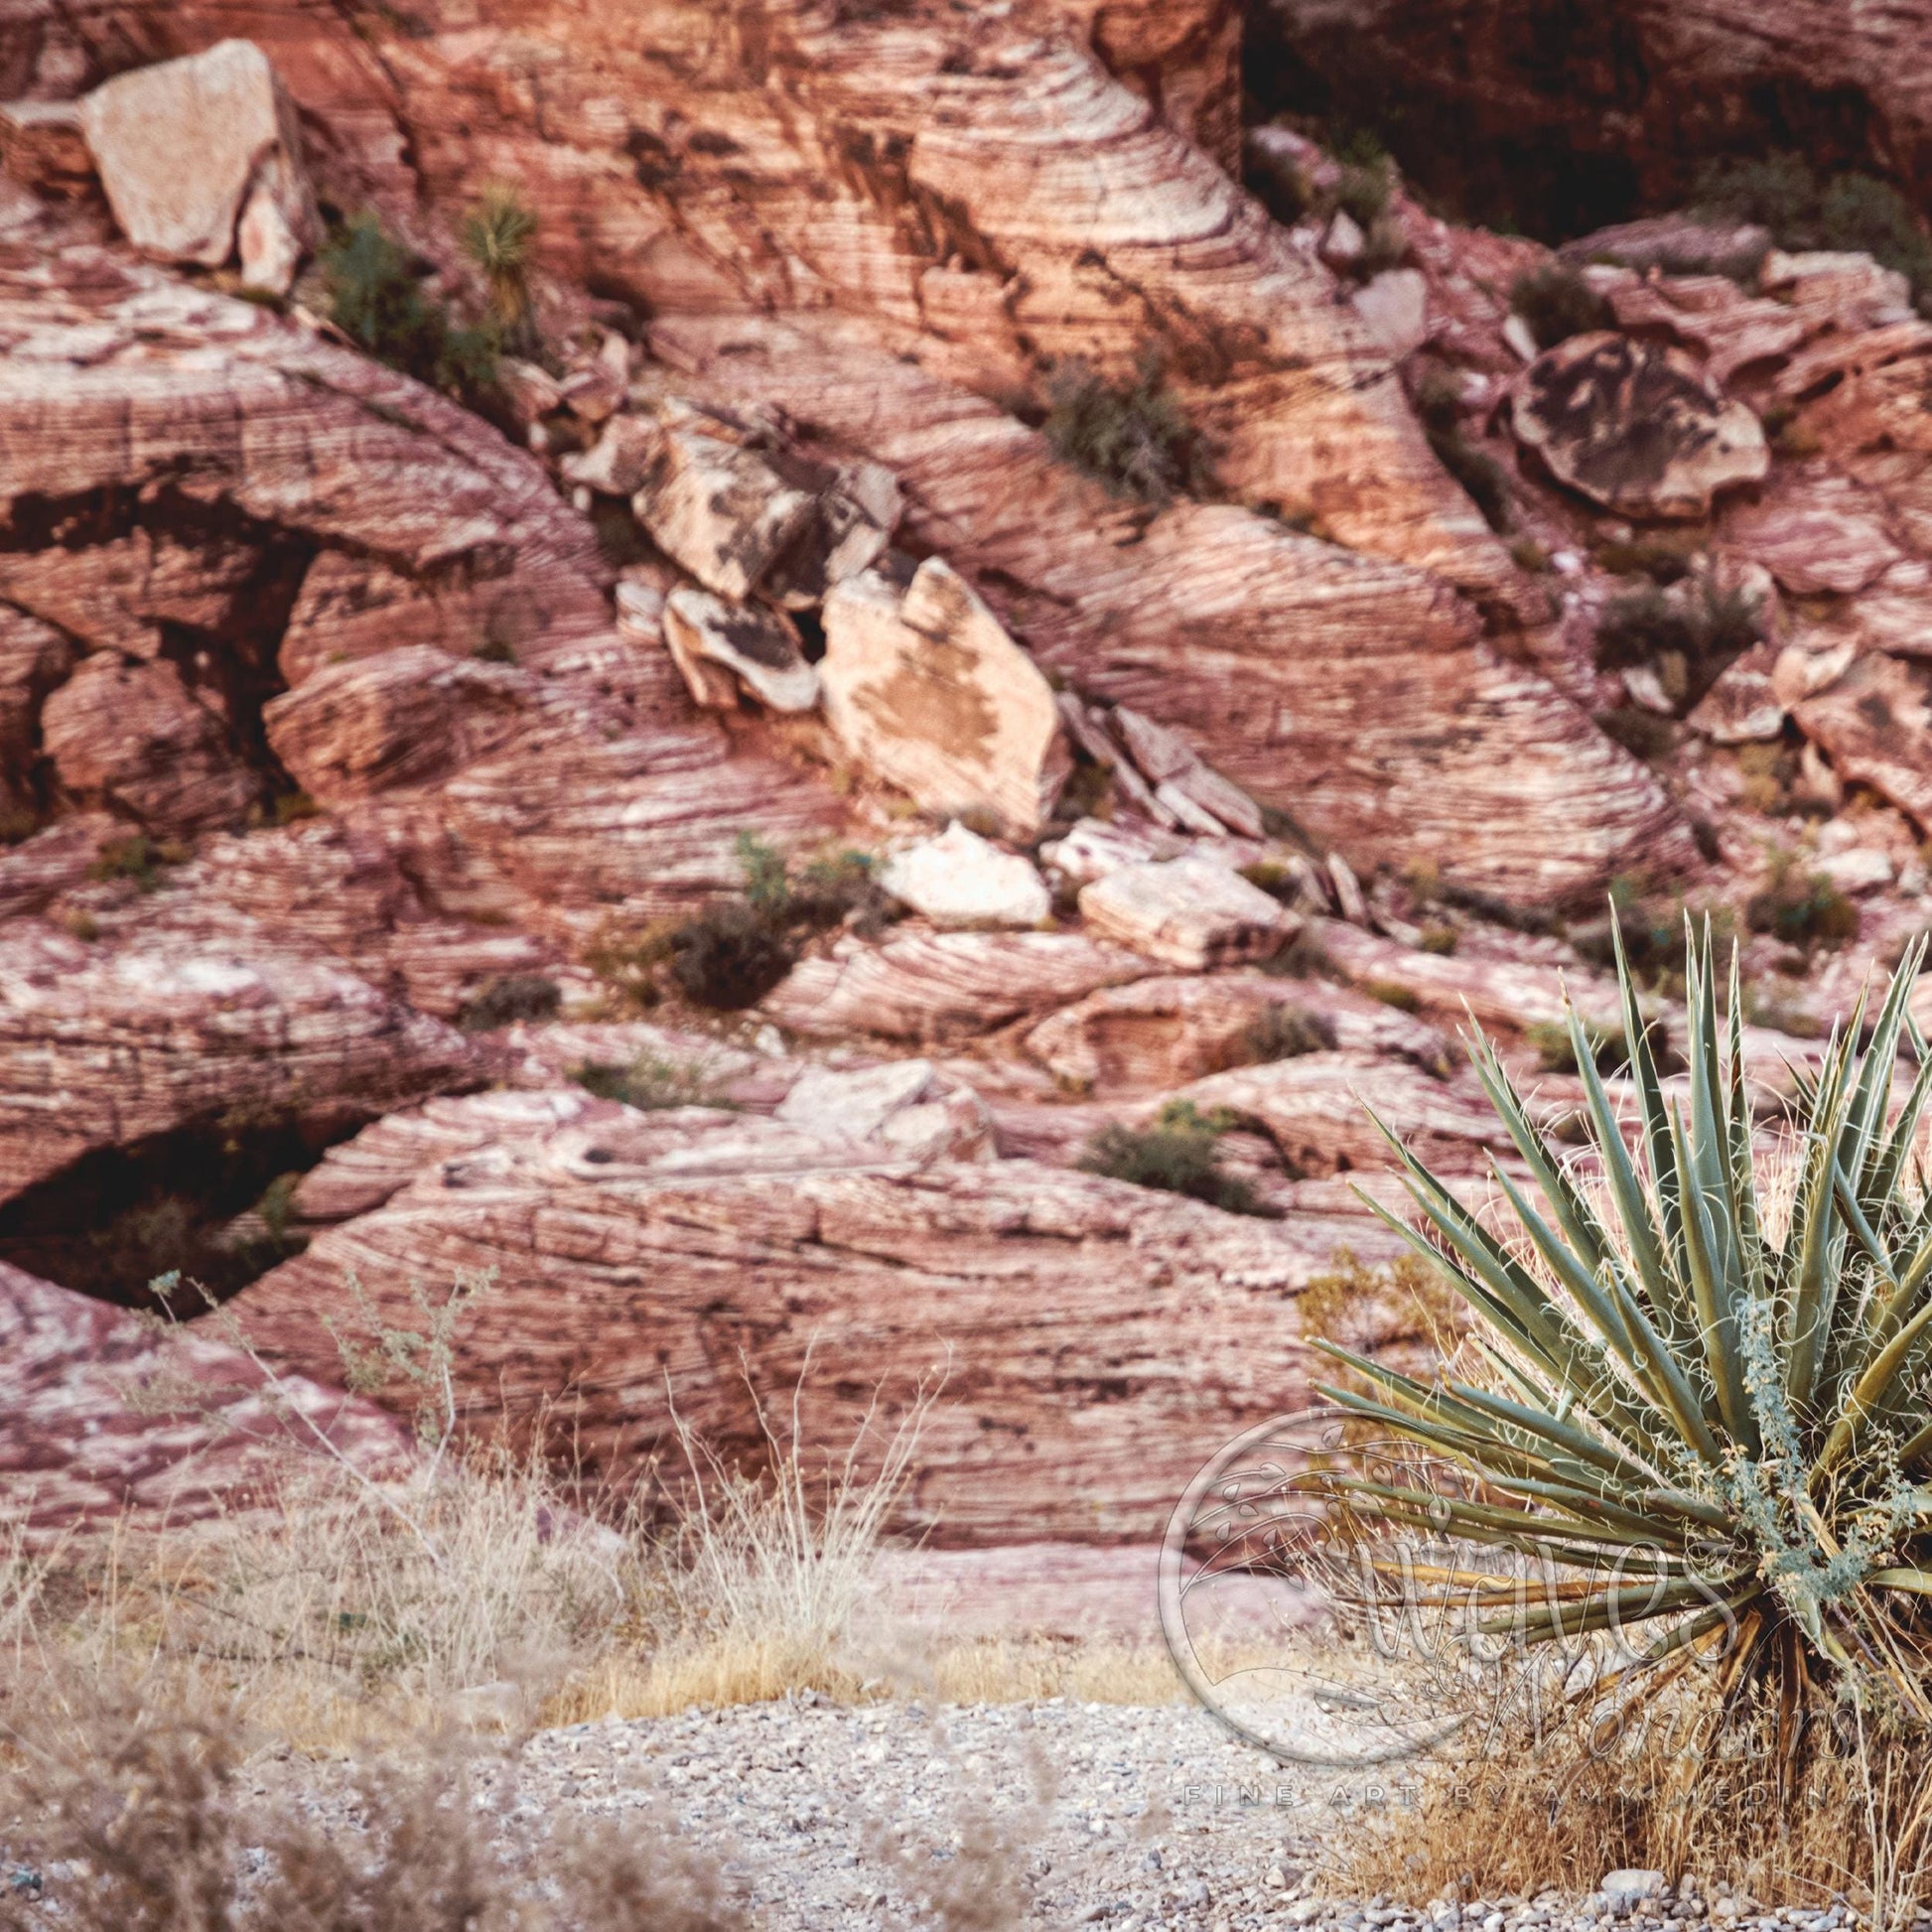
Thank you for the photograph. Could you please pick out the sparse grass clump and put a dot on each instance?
(1805, 210)
(1804, 910)
(651, 1083)
(1176, 1155)
(377, 297)
(1132, 436)
(1482, 478)
(1393, 993)
(1686, 637)
(1558, 303)
(1285, 1033)
(512, 998)
(137, 859)
(732, 952)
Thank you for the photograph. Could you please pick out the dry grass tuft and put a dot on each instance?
(1515, 1813)
(138, 1813)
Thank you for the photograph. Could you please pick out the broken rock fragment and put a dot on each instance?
(755, 646)
(960, 879)
(182, 145)
(718, 508)
(924, 687)
(1635, 427)
(1192, 913)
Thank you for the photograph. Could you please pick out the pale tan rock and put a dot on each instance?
(719, 510)
(1635, 428)
(1093, 849)
(1394, 307)
(754, 647)
(1163, 1032)
(618, 463)
(133, 737)
(1349, 692)
(106, 1424)
(1815, 531)
(180, 146)
(1875, 724)
(1190, 912)
(924, 686)
(948, 985)
(1315, 1109)
(960, 879)
(1743, 704)
(1037, 1289)
(904, 1106)
(351, 730)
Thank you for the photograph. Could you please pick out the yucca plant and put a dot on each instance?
(500, 237)
(1696, 1413)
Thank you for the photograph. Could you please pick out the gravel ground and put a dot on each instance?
(825, 1818)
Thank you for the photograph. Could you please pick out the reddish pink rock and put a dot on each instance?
(106, 1421)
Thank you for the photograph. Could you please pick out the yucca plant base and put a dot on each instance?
(1696, 1399)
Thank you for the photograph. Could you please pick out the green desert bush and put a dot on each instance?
(651, 1082)
(505, 1001)
(1806, 210)
(1132, 436)
(730, 956)
(376, 296)
(1687, 636)
(1697, 1415)
(1558, 303)
(1803, 908)
(1176, 1155)
(1285, 1033)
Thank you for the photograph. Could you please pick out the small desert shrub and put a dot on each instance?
(730, 956)
(1285, 1033)
(1555, 1050)
(1657, 558)
(376, 296)
(1368, 182)
(1358, 1304)
(1441, 940)
(1804, 210)
(1802, 908)
(735, 952)
(494, 650)
(1176, 1155)
(1280, 185)
(1557, 302)
(505, 1001)
(1302, 958)
(1642, 733)
(1699, 1413)
(136, 859)
(148, 1816)
(1131, 436)
(1393, 993)
(651, 1083)
(1687, 636)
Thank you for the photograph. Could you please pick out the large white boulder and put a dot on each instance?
(189, 148)
(1192, 913)
(924, 687)
(961, 878)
